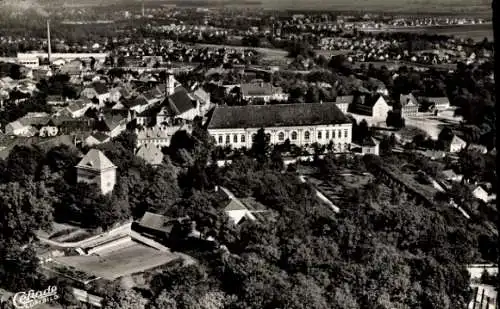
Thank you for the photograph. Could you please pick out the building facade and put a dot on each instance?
(409, 105)
(301, 124)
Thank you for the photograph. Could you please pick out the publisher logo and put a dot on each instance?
(29, 299)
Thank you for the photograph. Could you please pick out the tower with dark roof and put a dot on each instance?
(96, 168)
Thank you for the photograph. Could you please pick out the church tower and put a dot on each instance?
(170, 82)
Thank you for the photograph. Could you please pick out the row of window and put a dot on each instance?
(235, 138)
(28, 62)
(281, 136)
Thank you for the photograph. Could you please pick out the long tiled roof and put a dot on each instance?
(279, 115)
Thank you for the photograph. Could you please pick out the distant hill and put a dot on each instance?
(452, 6)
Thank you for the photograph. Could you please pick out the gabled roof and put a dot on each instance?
(235, 204)
(457, 140)
(365, 106)
(438, 100)
(111, 121)
(450, 174)
(369, 142)
(406, 99)
(100, 88)
(179, 102)
(278, 115)
(78, 105)
(201, 94)
(133, 102)
(16, 125)
(99, 136)
(96, 160)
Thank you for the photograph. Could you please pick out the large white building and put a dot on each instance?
(301, 124)
(32, 60)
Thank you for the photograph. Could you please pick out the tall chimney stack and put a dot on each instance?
(143, 14)
(49, 49)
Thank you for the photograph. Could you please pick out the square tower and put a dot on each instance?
(96, 168)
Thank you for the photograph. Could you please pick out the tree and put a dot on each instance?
(124, 299)
(18, 267)
(312, 95)
(24, 212)
(471, 165)
(163, 301)
(260, 146)
(394, 119)
(23, 163)
(121, 62)
(277, 160)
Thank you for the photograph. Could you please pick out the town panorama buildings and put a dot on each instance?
(301, 124)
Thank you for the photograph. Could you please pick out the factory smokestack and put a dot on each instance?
(49, 49)
(143, 14)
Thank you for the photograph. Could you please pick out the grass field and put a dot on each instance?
(434, 124)
(129, 259)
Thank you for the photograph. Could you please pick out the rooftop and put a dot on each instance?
(279, 115)
(95, 159)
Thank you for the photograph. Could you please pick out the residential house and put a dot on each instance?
(450, 175)
(148, 117)
(28, 125)
(343, 102)
(477, 148)
(151, 154)
(59, 62)
(69, 125)
(72, 68)
(96, 139)
(203, 99)
(98, 91)
(370, 146)
(77, 109)
(96, 168)
(481, 194)
(235, 209)
(20, 128)
(136, 104)
(433, 154)
(373, 109)
(40, 74)
(48, 130)
(456, 144)
(112, 124)
(409, 105)
(115, 94)
(155, 226)
(262, 91)
(438, 103)
(56, 100)
(484, 297)
(178, 107)
(301, 124)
